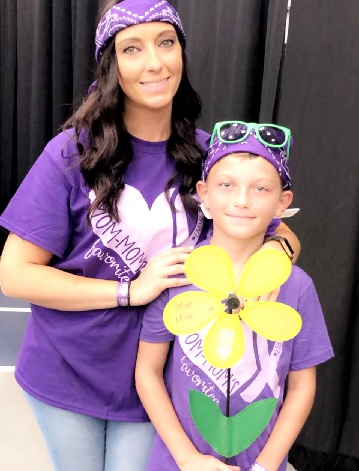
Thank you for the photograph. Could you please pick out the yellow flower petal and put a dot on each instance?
(263, 272)
(210, 268)
(224, 343)
(272, 320)
(190, 311)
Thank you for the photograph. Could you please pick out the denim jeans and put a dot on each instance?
(77, 442)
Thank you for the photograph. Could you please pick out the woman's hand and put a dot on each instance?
(272, 296)
(158, 275)
(206, 463)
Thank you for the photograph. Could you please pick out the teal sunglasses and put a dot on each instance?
(270, 135)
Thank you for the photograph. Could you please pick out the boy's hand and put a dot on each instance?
(256, 467)
(206, 463)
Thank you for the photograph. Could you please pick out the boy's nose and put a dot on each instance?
(242, 199)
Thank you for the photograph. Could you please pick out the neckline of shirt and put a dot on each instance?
(148, 146)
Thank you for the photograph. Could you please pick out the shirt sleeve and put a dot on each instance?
(312, 345)
(153, 327)
(39, 210)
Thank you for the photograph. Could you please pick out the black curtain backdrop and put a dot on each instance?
(242, 71)
(318, 97)
(46, 64)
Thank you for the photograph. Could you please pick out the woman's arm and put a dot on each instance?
(150, 386)
(25, 274)
(295, 410)
(284, 231)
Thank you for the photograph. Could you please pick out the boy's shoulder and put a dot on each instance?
(298, 285)
(299, 276)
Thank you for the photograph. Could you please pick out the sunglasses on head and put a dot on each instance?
(270, 135)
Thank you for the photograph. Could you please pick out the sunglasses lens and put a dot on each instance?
(272, 136)
(232, 132)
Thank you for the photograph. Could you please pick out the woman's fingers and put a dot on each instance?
(159, 273)
(272, 296)
(171, 256)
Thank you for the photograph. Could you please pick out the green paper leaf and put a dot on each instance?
(229, 436)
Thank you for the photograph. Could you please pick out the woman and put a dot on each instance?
(97, 229)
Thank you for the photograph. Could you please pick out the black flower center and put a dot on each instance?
(232, 302)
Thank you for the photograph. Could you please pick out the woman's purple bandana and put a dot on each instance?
(275, 156)
(134, 12)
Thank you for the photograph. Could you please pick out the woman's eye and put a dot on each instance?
(225, 184)
(130, 50)
(167, 42)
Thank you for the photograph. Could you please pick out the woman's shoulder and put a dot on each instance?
(62, 151)
(66, 143)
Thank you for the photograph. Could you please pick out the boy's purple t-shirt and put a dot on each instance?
(84, 361)
(261, 373)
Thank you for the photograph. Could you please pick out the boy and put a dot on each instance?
(245, 183)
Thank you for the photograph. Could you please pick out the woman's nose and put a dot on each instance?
(153, 59)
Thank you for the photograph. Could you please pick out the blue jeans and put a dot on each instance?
(78, 442)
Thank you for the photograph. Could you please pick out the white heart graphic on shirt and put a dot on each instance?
(245, 372)
(135, 242)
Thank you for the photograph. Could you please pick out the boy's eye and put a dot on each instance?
(167, 42)
(260, 188)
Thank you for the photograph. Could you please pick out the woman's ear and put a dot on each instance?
(285, 200)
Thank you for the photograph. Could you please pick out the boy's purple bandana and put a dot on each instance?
(134, 12)
(276, 156)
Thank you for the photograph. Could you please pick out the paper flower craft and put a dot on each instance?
(211, 269)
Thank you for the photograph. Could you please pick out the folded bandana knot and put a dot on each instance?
(134, 12)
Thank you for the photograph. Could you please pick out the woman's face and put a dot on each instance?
(149, 58)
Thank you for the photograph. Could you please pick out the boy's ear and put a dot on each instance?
(285, 200)
(201, 188)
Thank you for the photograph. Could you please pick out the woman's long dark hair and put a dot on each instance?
(108, 152)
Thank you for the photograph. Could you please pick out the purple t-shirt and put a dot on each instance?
(84, 361)
(261, 372)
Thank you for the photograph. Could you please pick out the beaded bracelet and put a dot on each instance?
(256, 467)
(123, 293)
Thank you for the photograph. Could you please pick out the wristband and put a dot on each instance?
(256, 467)
(123, 293)
(285, 245)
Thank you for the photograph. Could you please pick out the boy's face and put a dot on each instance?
(243, 194)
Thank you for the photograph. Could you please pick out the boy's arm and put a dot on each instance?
(284, 231)
(295, 410)
(150, 386)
